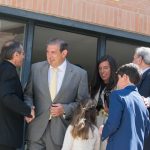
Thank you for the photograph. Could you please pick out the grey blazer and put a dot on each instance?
(74, 88)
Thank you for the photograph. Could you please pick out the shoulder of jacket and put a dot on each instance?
(148, 73)
(77, 68)
(39, 64)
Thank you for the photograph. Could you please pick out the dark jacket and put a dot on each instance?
(144, 85)
(12, 107)
(128, 123)
(144, 90)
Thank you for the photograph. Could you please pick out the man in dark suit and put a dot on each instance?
(12, 106)
(53, 112)
(128, 121)
(142, 59)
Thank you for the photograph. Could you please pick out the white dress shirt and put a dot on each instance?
(60, 75)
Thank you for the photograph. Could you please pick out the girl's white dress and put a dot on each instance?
(92, 143)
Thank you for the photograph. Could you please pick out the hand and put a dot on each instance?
(146, 102)
(29, 119)
(101, 129)
(56, 110)
(106, 109)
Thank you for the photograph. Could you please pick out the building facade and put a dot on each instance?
(92, 28)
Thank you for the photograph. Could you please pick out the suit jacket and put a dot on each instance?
(12, 107)
(143, 86)
(128, 120)
(73, 89)
(144, 90)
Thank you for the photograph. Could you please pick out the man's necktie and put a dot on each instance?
(53, 83)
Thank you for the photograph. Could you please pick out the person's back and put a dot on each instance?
(128, 122)
(12, 107)
(82, 144)
(6, 115)
(133, 125)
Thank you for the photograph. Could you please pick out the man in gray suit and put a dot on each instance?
(53, 111)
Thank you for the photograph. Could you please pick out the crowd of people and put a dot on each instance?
(63, 112)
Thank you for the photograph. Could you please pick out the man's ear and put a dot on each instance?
(140, 59)
(15, 54)
(64, 53)
(126, 77)
(14, 57)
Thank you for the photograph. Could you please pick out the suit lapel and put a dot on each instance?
(44, 75)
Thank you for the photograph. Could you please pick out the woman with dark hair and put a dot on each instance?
(104, 81)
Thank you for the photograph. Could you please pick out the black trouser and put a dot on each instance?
(3, 147)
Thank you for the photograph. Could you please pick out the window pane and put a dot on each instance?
(121, 51)
(11, 30)
(82, 48)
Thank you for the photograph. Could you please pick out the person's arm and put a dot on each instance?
(147, 125)
(28, 92)
(144, 90)
(28, 98)
(9, 97)
(68, 140)
(115, 115)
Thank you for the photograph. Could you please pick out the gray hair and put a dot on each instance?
(144, 52)
(9, 48)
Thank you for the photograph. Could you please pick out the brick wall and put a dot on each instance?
(129, 15)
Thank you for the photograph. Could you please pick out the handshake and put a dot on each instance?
(30, 117)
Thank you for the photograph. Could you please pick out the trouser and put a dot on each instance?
(3, 147)
(45, 142)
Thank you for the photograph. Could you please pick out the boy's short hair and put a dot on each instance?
(132, 71)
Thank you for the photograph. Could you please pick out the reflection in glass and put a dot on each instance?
(11, 30)
(122, 51)
(82, 48)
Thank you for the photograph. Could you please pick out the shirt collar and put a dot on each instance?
(61, 67)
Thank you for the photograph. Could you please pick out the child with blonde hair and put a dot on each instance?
(82, 133)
